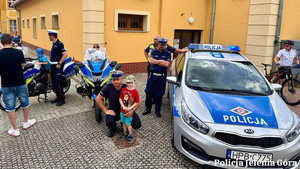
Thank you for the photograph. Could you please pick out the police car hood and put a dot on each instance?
(256, 111)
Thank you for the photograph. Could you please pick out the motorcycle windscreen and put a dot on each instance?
(107, 71)
(86, 71)
(97, 66)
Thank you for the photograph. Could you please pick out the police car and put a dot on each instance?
(225, 112)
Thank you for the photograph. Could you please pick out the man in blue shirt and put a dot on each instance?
(59, 55)
(159, 59)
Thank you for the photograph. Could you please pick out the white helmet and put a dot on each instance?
(97, 56)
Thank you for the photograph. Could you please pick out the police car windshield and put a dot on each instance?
(225, 76)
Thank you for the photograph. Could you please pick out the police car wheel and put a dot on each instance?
(2, 105)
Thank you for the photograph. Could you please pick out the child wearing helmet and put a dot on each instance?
(129, 98)
(44, 62)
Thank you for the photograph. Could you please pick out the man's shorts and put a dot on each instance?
(283, 70)
(127, 120)
(10, 94)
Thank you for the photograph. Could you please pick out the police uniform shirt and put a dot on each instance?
(56, 51)
(157, 55)
(286, 57)
(112, 94)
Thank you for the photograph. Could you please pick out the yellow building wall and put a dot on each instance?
(126, 47)
(172, 19)
(6, 15)
(290, 28)
(231, 23)
(70, 23)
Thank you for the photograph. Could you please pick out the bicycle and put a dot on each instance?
(290, 86)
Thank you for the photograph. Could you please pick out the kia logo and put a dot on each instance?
(249, 131)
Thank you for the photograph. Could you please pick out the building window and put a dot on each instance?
(128, 20)
(34, 28)
(43, 22)
(28, 25)
(10, 2)
(55, 21)
(23, 23)
(12, 25)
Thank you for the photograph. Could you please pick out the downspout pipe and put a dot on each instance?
(19, 21)
(212, 22)
(277, 36)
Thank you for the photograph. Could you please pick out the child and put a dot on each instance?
(129, 98)
(44, 61)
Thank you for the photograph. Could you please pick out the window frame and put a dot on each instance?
(57, 26)
(34, 28)
(10, 2)
(43, 21)
(145, 23)
(128, 18)
(28, 23)
(11, 30)
(23, 23)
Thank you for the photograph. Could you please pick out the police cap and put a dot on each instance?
(288, 42)
(52, 32)
(115, 74)
(163, 41)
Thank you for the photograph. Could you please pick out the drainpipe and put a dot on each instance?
(212, 22)
(19, 21)
(277, 36)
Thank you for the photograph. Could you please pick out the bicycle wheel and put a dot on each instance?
(290, 91)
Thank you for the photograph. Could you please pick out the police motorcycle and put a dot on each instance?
(95, 74)
(37, 80)
(22, 48)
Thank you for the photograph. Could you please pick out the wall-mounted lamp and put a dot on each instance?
(191, 20)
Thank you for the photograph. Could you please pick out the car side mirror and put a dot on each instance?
(276, 86)
(172, 80)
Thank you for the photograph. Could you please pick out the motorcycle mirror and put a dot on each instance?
(118, 66)
(113, 63)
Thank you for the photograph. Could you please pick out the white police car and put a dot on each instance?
(226, 114)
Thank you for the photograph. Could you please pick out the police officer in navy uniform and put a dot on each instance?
(59, 55)
(154, 46)
(160, 60)
(112, 93)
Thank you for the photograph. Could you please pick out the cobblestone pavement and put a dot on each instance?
(69, 137)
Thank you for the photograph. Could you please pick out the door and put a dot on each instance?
(182, 38)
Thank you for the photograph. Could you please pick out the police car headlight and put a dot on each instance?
(295, 130)
(192, 120)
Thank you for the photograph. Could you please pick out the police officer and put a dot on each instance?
(112, 93)
(154, 46)
(159, 59)
(58, 54)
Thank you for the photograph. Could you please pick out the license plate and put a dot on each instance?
(248, 156)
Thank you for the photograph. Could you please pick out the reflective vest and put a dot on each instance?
(152, 47)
